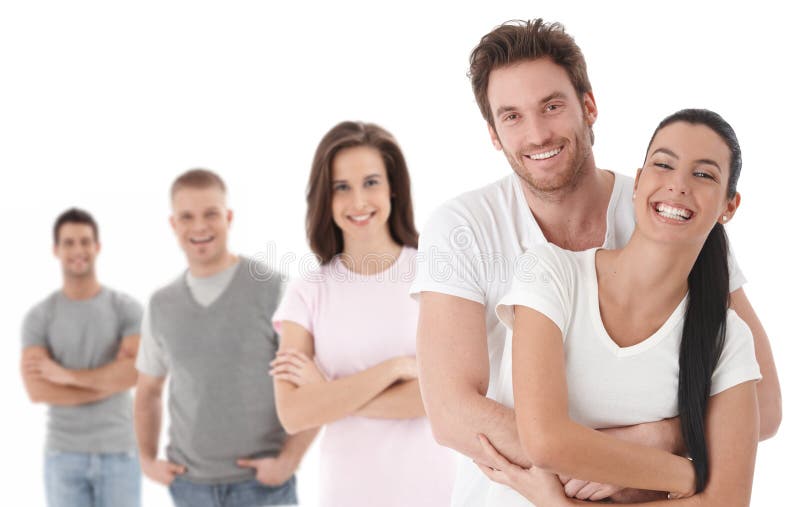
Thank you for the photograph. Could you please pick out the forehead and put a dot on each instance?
(693, 142)
(357, 162)
(527, 81)
(74, 230)
(196, 199)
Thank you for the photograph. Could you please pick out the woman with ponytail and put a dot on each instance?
(611, 338)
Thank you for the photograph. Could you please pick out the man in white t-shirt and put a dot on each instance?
(530, 83)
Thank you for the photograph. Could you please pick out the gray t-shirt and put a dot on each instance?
(85, 334)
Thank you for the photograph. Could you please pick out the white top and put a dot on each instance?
(609, 385)
(152, 358)
(469, 249)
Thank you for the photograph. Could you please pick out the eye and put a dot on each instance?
(703, 174)
(662, 165)
(552, 107)
(511, 117)
(371, 183)
(340, 187)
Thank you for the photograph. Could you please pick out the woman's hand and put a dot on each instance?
(538, 486)
(295, 367)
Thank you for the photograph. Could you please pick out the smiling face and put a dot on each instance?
(682, 190)
(77, 249)
(200, 220)
(361, 202)
(541, 124)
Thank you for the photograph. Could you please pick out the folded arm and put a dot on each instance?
(42, 390)
(400, 401)
(313, 404)
(556, 443)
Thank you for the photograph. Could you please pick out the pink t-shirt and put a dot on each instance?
(358, 321)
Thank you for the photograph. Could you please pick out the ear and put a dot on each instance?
(636, 180)
(172, 222)
(730, 209)
(229, 216)
(590, 108)
(97, 248)
(493, 135)
(55, 250)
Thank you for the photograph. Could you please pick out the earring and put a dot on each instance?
(724, 218)
(634, 196)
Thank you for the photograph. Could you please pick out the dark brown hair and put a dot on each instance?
(324, 236)
(75, 216)
(516, 41)
(197, 178)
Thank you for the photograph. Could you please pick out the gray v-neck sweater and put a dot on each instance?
(221, 399)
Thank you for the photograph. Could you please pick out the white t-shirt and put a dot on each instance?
(152, 359)
(469, 248)
(609, 385)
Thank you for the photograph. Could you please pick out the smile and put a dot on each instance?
(201, 241)
(360, 219)
(673, 212)
(545, 155)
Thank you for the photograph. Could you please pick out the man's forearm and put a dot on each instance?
(295, 446)
(400, 401)
(116, 376)
(147, 423)
(43, 391)
(462, 420)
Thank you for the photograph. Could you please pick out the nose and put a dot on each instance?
(679, 183)
(538, 131)
(359, 198)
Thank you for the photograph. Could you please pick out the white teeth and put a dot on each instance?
(545, 155)
(201, 240)
(675, 213)
(360, 218)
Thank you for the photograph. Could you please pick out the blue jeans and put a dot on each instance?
(79, 479)
(239, 494)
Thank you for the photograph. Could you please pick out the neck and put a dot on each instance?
(372, 255)
(81, 287)
(211, 268)
(645, 271)
(575, 212)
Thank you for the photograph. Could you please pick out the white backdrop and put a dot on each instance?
(102, 104)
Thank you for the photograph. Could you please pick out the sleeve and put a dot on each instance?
(297, 305)
(737, 363)
(542, 282)
(152, 359)
(34, 327)
(737, 278)
(449, 257)
(130, 312)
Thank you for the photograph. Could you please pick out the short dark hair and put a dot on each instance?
(197, 178)
(517, 41)
(75, 216)
(324, 236)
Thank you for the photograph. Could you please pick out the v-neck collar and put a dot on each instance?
(222, 295)
(600, 328)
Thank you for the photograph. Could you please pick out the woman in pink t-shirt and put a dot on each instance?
(347, 353)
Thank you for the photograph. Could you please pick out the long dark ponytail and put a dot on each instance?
(706, 312)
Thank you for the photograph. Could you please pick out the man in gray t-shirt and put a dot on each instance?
(79, 346)
(210, 331)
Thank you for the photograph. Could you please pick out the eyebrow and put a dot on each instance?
(670, 153)
(555, 95)
(373, 175)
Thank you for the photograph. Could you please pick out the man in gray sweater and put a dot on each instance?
(210, 330)
(79, 346)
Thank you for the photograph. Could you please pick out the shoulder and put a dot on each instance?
(168, 290)
(42, 310)
(477, 205)
(121, 300)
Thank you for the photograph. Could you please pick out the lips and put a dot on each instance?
(672, 211)
(544, 155)
(361, 219)
(201, 240)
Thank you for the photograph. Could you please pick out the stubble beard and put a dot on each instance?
(562, 183)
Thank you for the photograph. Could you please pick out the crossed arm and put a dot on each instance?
(452, 333)
(46, 381)
(306, 399)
